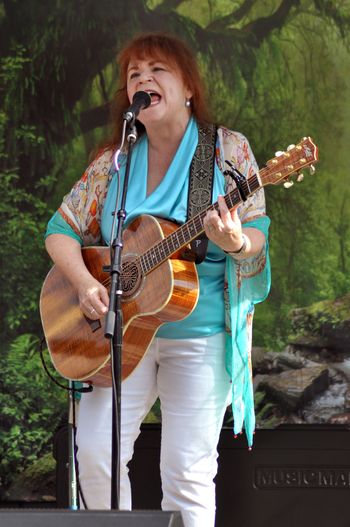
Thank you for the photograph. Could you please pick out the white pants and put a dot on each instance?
(190, 379)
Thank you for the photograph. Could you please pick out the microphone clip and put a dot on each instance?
(140, 101)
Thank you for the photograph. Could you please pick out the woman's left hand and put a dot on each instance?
(224, 228)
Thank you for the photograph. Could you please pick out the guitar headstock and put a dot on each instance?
(292, 161)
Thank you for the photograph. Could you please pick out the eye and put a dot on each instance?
(158, 68)
(134, 75)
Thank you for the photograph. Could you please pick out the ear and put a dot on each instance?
(188, 93)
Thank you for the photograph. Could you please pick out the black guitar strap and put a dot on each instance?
(200, 191)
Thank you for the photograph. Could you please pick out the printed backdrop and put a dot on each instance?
(276, 70)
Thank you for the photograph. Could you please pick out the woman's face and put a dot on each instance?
(167, 90)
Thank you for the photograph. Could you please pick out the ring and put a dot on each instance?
(92, 310)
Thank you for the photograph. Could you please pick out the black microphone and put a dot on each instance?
(140, 100)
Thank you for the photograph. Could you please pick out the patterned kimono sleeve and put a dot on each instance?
(247, 282)
(82, 207)
(236, 149)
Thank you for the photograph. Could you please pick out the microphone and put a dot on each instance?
(140, 100)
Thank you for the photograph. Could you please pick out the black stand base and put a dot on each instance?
(56, 518)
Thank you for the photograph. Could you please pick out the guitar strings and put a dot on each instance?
(178, 238)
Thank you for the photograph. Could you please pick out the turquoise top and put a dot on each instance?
(170, 202)
(58, 225)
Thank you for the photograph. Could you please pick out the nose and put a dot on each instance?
(145, 76)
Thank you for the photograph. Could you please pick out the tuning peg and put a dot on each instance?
(290, 147)
(279, 153)
(288, 184)
(312, 170)
(300, 177)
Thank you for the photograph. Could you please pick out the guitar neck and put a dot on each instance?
(276, 170)
(190, 230)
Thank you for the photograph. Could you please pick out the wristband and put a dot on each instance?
(242, 249)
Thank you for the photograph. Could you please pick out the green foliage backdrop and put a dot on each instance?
(276, 70)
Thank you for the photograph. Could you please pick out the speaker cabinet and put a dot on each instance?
(296, 476)
(60, 518)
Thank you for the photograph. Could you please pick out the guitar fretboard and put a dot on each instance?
(161, 251)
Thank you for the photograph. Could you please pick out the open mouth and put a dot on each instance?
(155, 97)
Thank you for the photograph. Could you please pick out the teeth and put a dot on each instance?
(155, 96)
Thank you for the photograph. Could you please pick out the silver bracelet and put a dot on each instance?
(242, 249)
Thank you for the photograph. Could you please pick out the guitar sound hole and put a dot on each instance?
(131, 277)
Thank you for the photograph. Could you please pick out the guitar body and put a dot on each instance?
(78, 348)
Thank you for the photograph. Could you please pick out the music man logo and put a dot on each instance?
(302, 477)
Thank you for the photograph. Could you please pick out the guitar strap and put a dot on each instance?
(200, 191)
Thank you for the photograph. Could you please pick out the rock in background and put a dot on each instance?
(309, 381)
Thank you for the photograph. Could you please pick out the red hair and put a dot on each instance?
(166, 48)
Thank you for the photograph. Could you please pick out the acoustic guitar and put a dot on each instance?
(158, 284)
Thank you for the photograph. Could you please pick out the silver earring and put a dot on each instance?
(188, 103)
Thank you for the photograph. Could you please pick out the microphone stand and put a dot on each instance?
(73, 481)
(114, 327)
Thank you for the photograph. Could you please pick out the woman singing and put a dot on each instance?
(198, 365)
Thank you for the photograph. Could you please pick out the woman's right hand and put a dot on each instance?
(93, 298)
(66, 253)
